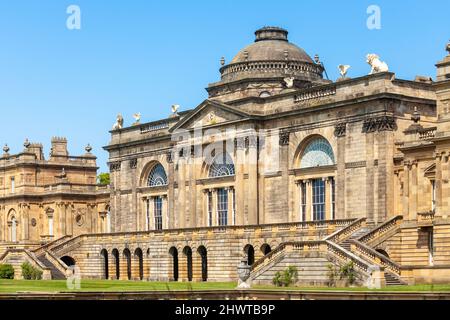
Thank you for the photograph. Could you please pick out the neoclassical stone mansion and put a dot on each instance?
(279, 165)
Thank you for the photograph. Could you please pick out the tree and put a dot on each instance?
(104, 179)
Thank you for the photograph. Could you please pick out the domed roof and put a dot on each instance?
(271, 44)
(272, 56)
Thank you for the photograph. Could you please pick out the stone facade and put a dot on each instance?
(285, 167)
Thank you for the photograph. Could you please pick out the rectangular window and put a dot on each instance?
(147, 217)
(318, 197)
(222, 206)
(333, 199)
(430, 247)
(13, 184)
(303, 200)
(433, 195)
(210, 208)
(234, 207)
(158, 213)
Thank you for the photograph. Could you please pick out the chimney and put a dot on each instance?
(59, 147)
(37, 149)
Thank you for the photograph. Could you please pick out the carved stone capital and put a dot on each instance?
(379, 124)
(284, 138)
(133, 163)
(115, 166)
(340, 130)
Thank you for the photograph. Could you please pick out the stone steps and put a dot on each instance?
(56, 274)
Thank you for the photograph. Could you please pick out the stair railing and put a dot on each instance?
(380, 231)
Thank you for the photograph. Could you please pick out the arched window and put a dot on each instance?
(222, 166)
(157, 176)
(318, 153)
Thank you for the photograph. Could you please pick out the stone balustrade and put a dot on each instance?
(382, 230)
(425, 219)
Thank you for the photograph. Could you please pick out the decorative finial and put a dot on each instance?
(6, 148)
(286, 54)
(137, 118)
(447, 48)
(222, 61)
(26, 144)
(175, 108)
(88, 148)
(416, 116)
(343, 69)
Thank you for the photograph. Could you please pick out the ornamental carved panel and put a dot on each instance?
(379, 124)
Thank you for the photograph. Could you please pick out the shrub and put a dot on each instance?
(6, 271)
(31, 273)
(348, 272)
(333, 274)
(286, 278)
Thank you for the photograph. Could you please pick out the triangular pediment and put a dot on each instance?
(210, 113)
(430, 171)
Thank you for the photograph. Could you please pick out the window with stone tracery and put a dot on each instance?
(157, 176)
(222, 166)
(318, 153)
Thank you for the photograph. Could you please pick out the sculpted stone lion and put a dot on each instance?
(376, 64)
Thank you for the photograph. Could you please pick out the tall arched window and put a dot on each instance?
(318, 153)
(222, 166)
(157, 176)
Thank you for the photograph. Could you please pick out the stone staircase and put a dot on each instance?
(55, 272)
(343, 246)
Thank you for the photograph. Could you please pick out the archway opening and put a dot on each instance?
(250, 252)
(104, 254)
(127, 256)
(174, 253)
(138, 255)
(204, 258)
(187, 251)
(383, 252)
(265, 249)
(69, 261)
(115, 254)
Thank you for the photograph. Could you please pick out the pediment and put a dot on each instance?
(210, 113)
(430, 171)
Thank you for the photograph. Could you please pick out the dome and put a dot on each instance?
(272, 56)
(271, 44)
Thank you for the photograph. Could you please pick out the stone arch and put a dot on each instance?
(139, 262)
(249, 250)
(221, 165)
(127, 257)
(314, 151)
(13, 226)
(150, 169)
(188, 267)
(266, 249)
(69, 261)
(173, 252)
(105, 263)
(203, 255)
(383, 252)
(116, 256)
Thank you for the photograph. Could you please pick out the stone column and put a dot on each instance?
(445, 187)
(340, 133)
(239, 184)
(165, 217)
(285, 206)
(406, 169)
(171, 191)
(230, 206)
(253, 189)
(196, 267)
(439, 202)
(413, 191)
(111, 267)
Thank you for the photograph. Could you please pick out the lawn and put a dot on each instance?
(13, 286)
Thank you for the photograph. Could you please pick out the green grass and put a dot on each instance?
(14, 286)
(415, 288)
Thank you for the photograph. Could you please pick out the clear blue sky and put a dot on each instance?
(143, 56)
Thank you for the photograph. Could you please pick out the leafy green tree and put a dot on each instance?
(104, 179)
(6, 271)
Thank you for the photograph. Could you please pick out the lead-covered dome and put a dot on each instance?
(271, 44)
(271, 56)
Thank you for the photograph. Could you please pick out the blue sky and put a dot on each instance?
(143, 56)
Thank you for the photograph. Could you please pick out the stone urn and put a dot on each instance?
(243, 270)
